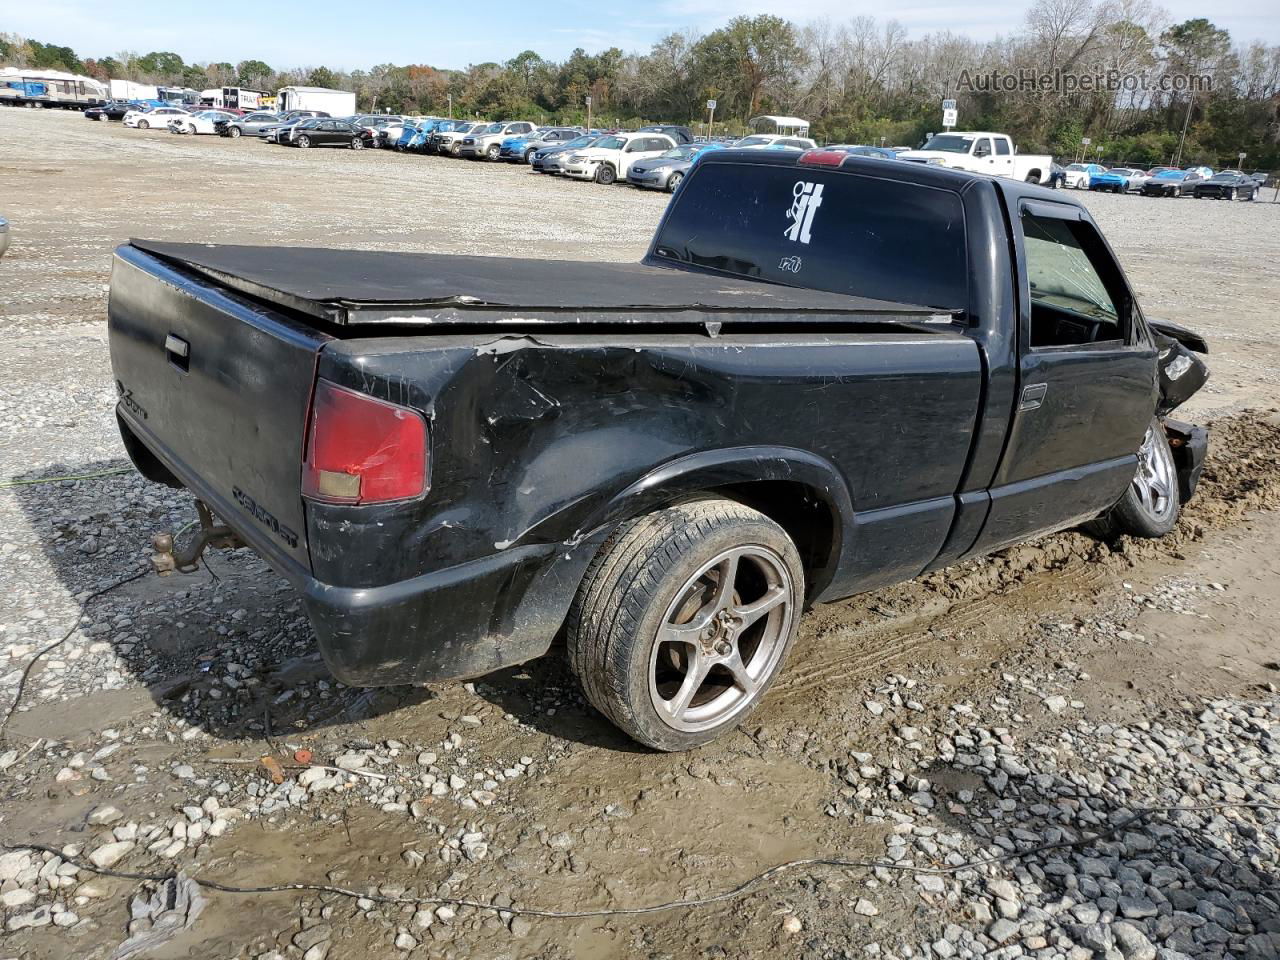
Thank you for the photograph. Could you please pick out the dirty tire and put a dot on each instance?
(606, 174)
(630, 591)
(144, 125)
(1141, 512)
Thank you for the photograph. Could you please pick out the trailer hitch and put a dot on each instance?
(167, 559)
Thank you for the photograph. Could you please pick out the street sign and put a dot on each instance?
(711, 104)
(948, 105)
(1086, 141)
(949, 118)
(588, 99)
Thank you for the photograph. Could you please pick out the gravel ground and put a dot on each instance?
(1050, 753)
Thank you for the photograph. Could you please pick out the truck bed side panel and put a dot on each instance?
(531, 438)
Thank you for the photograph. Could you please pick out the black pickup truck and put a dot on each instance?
(828, 374)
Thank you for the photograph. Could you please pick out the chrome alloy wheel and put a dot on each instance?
(1155, 484)
(721, 638)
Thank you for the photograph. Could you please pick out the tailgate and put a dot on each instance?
(218, 388)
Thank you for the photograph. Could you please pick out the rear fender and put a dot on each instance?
(736, 469)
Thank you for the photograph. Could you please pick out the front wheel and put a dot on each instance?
(1231, 193)
(234, 132)
(143, 125)
(1149, 506)
(493, 151)
(673, 181)
(606, 174)
(456, 150)
(683, 620)
(303, 142)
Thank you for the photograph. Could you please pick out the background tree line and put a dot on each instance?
(858, 81)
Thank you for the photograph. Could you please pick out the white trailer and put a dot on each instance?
(128, 90)
(336, 103)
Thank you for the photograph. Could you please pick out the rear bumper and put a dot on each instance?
(462, 621)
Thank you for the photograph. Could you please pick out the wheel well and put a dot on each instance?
(808, 519)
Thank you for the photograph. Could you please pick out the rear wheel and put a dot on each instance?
(528, 156)
(357, 143)
(1033, 177)
(606, 174)
(683, 620)
(1231, 193)
(1150, 505)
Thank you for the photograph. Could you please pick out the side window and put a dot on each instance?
(1077, 294)
(1002, 147)
(982, 148)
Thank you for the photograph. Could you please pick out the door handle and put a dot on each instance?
(178, 351)
(1033, 396)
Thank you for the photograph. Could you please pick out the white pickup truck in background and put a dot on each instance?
(980, 152)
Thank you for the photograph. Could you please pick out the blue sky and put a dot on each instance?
(348, 35)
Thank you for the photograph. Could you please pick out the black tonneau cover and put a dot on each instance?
(365, 286)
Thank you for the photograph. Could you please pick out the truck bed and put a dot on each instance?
(356, 287)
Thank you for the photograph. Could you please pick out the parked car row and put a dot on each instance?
(1198, 182)
(656, 156)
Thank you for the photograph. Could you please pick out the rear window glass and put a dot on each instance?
(815, 228)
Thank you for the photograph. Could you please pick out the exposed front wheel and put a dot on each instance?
(673, 181)
(234, 132)
(683, 620)
(144, 125)
(1150, 504)
(493, 151)
(303, 142)
(606, 174)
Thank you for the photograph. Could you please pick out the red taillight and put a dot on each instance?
(822, 158)
(363, 450)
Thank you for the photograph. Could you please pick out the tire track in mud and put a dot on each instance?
(871, 635)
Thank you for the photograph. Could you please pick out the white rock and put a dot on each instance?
(110, 854)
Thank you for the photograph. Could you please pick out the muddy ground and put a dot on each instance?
(145, 730)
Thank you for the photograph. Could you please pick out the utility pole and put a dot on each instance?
(449, 97)
(711, 122)
(588, 113)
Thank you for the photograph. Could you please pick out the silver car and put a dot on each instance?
(4, 236)
(488, 142)
(251, 124)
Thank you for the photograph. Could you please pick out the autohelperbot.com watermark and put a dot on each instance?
(1031, 80)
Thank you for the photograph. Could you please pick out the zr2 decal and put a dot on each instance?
(806, 198)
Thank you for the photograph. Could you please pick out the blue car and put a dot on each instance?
(1117, 180)
(859, 150)
(520, 149)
